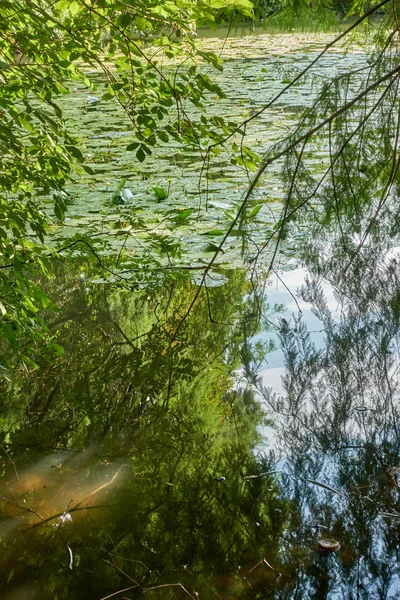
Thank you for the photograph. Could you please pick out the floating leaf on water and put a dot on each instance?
(217, 204)
(183, 215)
(214, 232)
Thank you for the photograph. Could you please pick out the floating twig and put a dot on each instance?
(264, 561)
(326, 487)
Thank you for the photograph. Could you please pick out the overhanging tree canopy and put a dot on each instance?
(45, 48)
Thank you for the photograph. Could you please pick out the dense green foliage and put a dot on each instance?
(45, 50)
(150, 62)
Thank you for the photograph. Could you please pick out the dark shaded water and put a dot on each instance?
(139, 461)
(212, 457)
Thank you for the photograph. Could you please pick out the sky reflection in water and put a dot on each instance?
(150, 429)
(136, 462)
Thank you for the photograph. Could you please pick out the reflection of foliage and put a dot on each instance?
(133, 335)
(191, 489)
(331, 171)
(340, 413)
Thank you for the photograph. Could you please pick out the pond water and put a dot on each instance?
(263, 67)
(232, 458)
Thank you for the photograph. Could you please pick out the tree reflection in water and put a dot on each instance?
(135, 451)
(147, 442)
(339, 418)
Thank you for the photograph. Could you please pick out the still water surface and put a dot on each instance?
(216, 462)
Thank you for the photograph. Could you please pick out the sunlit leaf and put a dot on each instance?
(161, 193)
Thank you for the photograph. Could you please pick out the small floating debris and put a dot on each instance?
(65, 518)
(361, 408)
(328, 545)
(91, 100)
(71, 557)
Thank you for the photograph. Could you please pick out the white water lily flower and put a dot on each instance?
(126, 194)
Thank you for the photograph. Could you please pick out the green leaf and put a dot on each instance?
(76, 153)
(183, 214)
(56, 349)
(214, 232)
(29, 304)
(162, 41)
(88, 170)
(211, 247)
(140, 154)
(134, 48)
(256, 210)
(160, 193)
(163, 136)
(62, 5)
(212, 58)
(74, 7)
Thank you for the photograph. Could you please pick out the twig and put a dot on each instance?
(100, 488)
(21, 507)
(122, 572)
(291, 146)
(268, 565)
(15, 469)
(286, 287)
(70, 511)
(119, 592)
(165, 585)
(128, 559)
